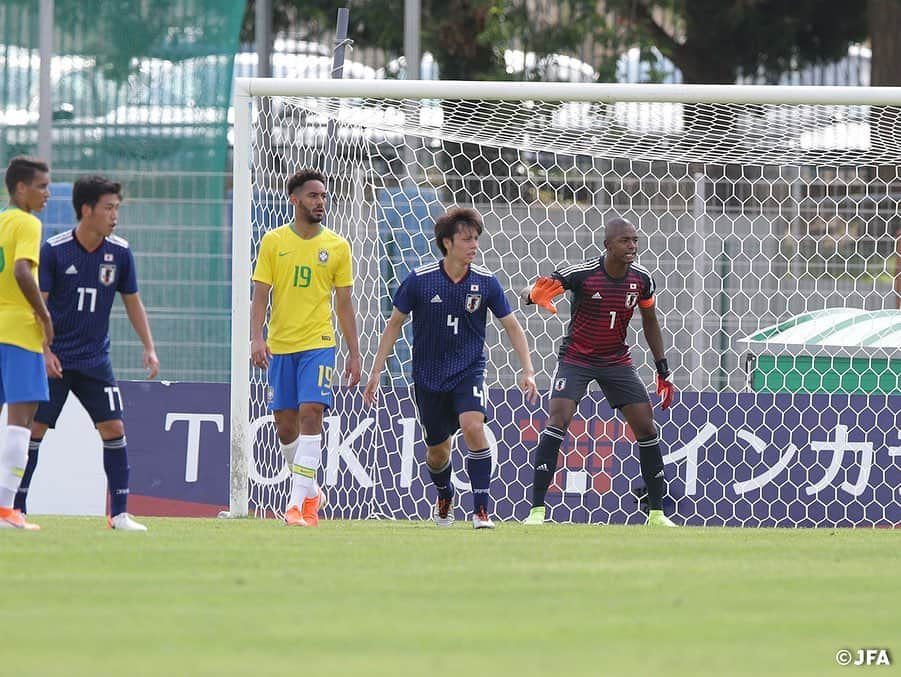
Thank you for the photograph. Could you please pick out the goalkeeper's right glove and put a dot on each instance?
(544, 291)
(665, 388)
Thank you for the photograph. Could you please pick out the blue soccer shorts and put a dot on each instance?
(302, 377)
(95, 388)
(439, 412)
(23, 376)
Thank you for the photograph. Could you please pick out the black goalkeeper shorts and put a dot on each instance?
(620, 385)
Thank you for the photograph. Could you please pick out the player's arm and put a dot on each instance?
(259, 351)
(137, 315)
(23, 272)
(347, 320)
(654, 337)
(51, 362)
(543, 293)
(386, 345)
(518, 340)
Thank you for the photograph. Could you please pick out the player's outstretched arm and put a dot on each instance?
(665, 389)
(347, 320)
(543, 293)
(386, 345)
(518, 340)
(259, 351)
(137, 315)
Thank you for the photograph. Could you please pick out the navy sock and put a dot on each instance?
(441, 478)
(115, 463)
(652, 471)
(20, 502)
(478, 465)
(546, 463)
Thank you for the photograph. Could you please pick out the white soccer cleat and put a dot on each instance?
(124, 522)
(443, 512)
(480, 520)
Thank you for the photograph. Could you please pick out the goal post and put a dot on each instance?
(766, 216)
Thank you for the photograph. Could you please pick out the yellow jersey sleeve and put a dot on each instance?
(263, 271)
(28, 240)
(344, 274)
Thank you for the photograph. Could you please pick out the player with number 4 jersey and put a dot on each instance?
(300, 264)
(80, 274)
(450, 300)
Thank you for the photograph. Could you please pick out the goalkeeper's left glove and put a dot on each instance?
(665, 389)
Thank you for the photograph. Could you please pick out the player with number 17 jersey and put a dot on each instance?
(81, 287)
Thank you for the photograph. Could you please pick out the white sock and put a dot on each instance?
(12, 463)
(289, 451)
(303, 470)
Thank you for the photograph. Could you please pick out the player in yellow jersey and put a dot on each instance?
(299, 264)
(25, 326)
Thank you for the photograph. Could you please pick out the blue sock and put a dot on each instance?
(441, 478)
(20, 502)
(115, 463)
(478, 465)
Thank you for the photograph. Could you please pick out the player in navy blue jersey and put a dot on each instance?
(605, 292)
(81, 271)
(450, 300)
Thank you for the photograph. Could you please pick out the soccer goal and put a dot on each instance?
(767, 217)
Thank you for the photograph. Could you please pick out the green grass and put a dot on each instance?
(249, 597)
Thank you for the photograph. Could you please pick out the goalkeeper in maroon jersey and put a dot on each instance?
(605, 292)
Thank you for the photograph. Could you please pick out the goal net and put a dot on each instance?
(767, 217)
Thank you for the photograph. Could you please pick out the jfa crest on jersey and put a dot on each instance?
(107, 274)
(601, 309)
(449, 321)
(81, 288)
(473, 301)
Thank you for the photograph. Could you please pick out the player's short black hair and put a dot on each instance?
(88, 190)
(453, 222)
(302, 177)
(22, 168)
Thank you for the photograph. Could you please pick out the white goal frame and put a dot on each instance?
(247, 88)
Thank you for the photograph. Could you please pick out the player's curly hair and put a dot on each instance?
(87, 190)
(302, 176)
(455, 220)
(22, 169)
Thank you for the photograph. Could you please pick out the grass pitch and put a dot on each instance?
(249, 597)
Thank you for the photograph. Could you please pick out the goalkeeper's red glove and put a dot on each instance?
(665, 389)
(544, 291)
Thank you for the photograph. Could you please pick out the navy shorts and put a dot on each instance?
(95, 388)
(439, 412)
(620, 384)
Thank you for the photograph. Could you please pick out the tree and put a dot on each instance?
(715, 41)
(466, 37)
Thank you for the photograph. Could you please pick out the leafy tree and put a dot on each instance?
(714, 41)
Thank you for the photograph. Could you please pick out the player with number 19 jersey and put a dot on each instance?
(449, 322)
(302, 274)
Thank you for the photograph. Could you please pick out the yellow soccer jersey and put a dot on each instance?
(20, 238)
(302, 274)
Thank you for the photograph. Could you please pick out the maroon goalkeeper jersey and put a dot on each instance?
(601, 309)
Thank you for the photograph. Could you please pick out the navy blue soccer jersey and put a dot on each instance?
(449, 322)
(82, 286)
